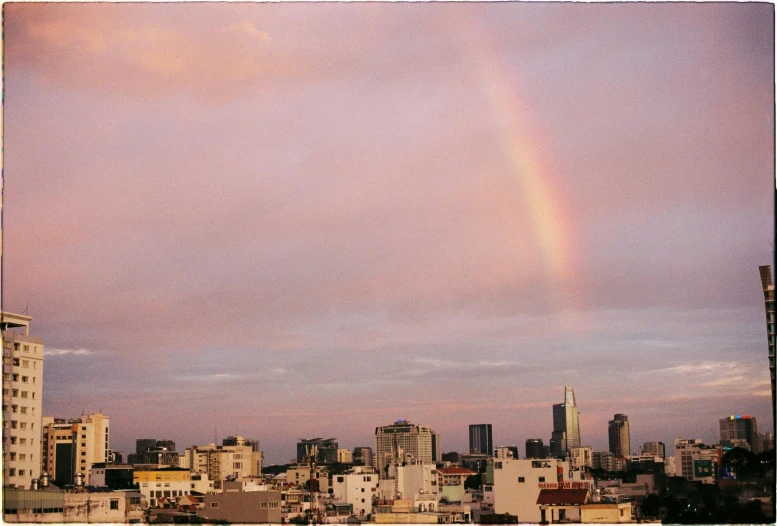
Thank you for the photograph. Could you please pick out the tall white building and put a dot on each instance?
(22, 400)
(402, 442)
(72, 446)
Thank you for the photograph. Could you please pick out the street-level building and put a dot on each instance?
(356, 489)
(22, 399)
(244, 507)
(517, 485)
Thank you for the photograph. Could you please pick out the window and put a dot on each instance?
(25, 379)
(13, 440)
(13, 424)
(26, 348)
(14, 392)
(521, 479)
(13, 456)
(83, 437)
(114, 504)
(83, 453)
(542, 479)
(12, 472)
(15, 377)
(263, 505)
(362, 500)
(216, 504)
(497, 465)
(16, 362)
(362, 490)
(25, 364)
(339, 479)
(21, 472)
(24, 394)
(24, 410)
(22, 425)
(33, 379)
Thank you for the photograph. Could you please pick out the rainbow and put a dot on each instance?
(524, 152)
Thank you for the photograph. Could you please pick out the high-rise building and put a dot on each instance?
(480, 439)
(657, 449)
(736, 429)
(768, 287)
(566, 427)
(344, 456)
(362, 456)
(22, 400)
(327, 449)
(72, 446)
(618, 429)
(400, 442)
(695, 461)
(535, 448)
(436, 447)
(144, 444)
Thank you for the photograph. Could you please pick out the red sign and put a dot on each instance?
(564, 485)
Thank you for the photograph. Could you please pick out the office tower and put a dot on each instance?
(535, 448)
(566, 427)
(327, 449)
(480, 440)
(144, 444)
(618, 429)
(166, 444)
(72, 446)
(657, 449)
(766, 441)
(401, 441)
(22, 399)
(768, 286)
(362, 456)
(740, 430)
(436, 447)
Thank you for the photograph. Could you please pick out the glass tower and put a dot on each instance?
(566, 428)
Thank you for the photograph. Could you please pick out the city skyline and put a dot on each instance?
(233, 219)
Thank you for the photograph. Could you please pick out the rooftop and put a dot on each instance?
(559, 497)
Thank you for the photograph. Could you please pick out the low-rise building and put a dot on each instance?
(356, 489)
(247, 507)
(517, 485)
(164, 483)
(450, 483)
(696, 461)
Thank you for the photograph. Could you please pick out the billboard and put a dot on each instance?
(702, 468)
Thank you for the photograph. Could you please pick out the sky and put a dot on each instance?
(296, 220)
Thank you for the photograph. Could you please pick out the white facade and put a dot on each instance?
(344, 456)
(221, 462)
(356, 489)
(416, 479)
(517, 484)
(22, 400)
(581, 457)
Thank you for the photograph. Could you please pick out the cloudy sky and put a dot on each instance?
(297, 220)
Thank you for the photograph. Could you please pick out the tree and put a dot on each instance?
(739, 463)
(651, 506)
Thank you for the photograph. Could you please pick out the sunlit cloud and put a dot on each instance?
(64, 352)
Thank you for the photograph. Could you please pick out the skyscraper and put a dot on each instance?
(618, 429)
(657, 449)
(566, 427)
(736, 429)
(768, 286)
(535, 448)
(480, 439)
(22, 399)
